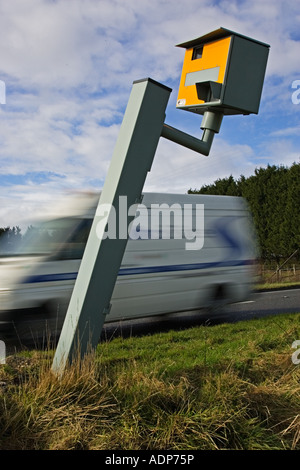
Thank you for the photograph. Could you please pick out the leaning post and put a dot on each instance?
(131, 161)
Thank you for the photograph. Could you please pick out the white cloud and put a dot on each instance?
(184, 169)
(69, 67)
(286, 132)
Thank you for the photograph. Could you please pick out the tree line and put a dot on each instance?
(273, 196)
(9, 238)
(12, 237)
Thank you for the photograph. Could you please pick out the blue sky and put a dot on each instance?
(68, 67)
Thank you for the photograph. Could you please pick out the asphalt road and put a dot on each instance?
(259, 305)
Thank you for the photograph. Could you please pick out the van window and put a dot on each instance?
(47, 237)
(63, 238)
(74, 246)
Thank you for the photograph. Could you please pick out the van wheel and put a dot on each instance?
(40, 328)
(51, 319)
(219, 298)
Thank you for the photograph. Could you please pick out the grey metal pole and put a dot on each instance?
(132, 159)
(211, 124)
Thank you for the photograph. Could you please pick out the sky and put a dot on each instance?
(66, 73)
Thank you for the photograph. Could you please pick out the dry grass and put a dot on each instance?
(239, 393)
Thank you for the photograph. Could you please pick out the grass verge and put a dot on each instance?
(229, 386)
(278, 286)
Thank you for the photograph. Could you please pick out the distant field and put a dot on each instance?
(287, 274)
(229, 386)
(277, 285)
(287, 277)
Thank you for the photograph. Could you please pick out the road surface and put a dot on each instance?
(260, 304)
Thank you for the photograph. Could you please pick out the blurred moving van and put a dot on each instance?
(161, 272)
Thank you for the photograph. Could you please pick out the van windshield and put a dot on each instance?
(66, 236)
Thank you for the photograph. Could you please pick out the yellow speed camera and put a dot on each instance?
(222, 71)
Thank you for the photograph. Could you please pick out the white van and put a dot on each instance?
(157, 275)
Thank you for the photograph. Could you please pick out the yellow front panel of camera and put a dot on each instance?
(214, 55)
